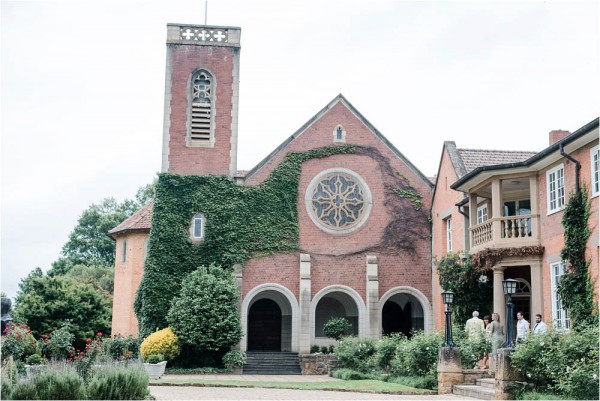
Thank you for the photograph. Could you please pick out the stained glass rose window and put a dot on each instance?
(338, 201)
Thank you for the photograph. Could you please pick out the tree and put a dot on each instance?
(44, 303)
(337, 328)
(205, 314)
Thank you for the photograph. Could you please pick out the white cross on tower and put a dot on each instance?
(204, 35)
(220, 36)
(188, 34)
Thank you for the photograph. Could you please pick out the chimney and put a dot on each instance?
(557, 135)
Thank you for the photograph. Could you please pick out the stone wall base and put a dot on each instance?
(317, 364)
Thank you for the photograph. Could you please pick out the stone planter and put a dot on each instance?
(155, 370)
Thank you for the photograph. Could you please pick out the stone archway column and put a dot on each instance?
(372, 298)
(305, 304)
(536, 300)
(499, 302)
(238, 276)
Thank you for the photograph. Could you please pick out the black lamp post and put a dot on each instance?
(509, 286)
(447, 298)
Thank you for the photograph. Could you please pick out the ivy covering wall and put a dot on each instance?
(247, 221)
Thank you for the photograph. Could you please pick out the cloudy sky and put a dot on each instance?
(82, 86)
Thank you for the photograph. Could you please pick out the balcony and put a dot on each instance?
(505, 232)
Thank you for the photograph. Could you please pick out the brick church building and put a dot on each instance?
(351, 210)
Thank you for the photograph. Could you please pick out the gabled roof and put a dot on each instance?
(140, 220)
(538, 161)
(339, 98)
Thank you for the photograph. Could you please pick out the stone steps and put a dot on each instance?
(483, 389)
(272, 363)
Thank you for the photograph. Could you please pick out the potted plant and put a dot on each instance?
(164, 343)
(155, 365)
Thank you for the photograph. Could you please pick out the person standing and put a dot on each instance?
(540, 327)
(522, 327)
(497, 333)
(487, 321)
(474, 326)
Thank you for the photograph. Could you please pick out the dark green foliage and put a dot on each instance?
(428, 382)
(121, 348)
(471, 350)
(34, 359)
(337, 328)
(119, 383)
(576, 288)
(50, 301)
(356, 353)
(205, 315)
(565, 363)
(386, 349)
(418, 355)
(244, 222)
(349, 374)
(458, 274)
(234, 359)
(155, 358)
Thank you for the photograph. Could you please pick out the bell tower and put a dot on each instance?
(201, 100)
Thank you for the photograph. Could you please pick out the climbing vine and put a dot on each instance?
(576, 288)
(244, 222)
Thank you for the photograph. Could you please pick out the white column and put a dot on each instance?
(305, 304)
(373, 323)
(497, 209)
(537, 300)
(499, 302)
(238, 276)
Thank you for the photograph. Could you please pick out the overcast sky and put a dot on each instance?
(82, 89)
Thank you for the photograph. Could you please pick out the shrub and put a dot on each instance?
(205, 315)
(337, 327)
(314, 349)
(59, 382)
(562, 363)
(119, 383)
(356, 353)
(472, 350)
(35, 359)
(18, 342)
(349, 374)
(428, 382)
(234, 359)
(59, 343)
(163, 342)
(417, 356)
(155, 358)
(386, 349)
(121, 348)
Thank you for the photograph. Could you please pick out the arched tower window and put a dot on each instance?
(201, 115)
(339, 134)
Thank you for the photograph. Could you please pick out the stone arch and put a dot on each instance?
(402, 294)
(349, 298)
(288, 305)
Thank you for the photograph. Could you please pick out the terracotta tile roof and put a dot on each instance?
(140, 220)
(473, 158)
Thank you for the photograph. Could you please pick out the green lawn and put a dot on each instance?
(364, 386)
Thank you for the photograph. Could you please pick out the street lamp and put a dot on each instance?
(510, 287)
(447, 298)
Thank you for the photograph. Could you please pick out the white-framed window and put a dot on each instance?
(555, 183)
(197, 229)
(448, 234)
(595, 167)
(482, 213)
(124, 251)
(560, 316)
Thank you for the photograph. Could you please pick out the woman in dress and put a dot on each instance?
(487, 321)
(497, 333)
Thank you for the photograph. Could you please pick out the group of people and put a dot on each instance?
(494, 330)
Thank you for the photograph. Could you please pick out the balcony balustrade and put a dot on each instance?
(505, 231)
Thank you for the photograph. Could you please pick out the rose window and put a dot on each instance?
(338, 201)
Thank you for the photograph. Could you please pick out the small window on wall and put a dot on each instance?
(595, 154)
(448, 234)
(197, 229)
(124, 251)
(339, 134)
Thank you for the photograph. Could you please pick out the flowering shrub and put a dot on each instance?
(472, 350)
(18, 342)
(386, 349)
(417, 356)
(84, 360)
(563, 363)
(163, 342)
(356, 353)
(121, 348)
(58, 344)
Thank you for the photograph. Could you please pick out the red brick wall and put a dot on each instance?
(341, 259)
(219, 61)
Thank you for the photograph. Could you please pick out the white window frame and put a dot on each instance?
(595, 169)
(482, 213)
(555, 185)
(560, 316)
(197, 217)
(448, 234)
(124, 251)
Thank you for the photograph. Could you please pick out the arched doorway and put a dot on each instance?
(264, 326)
(333, 305)
(402, 313)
